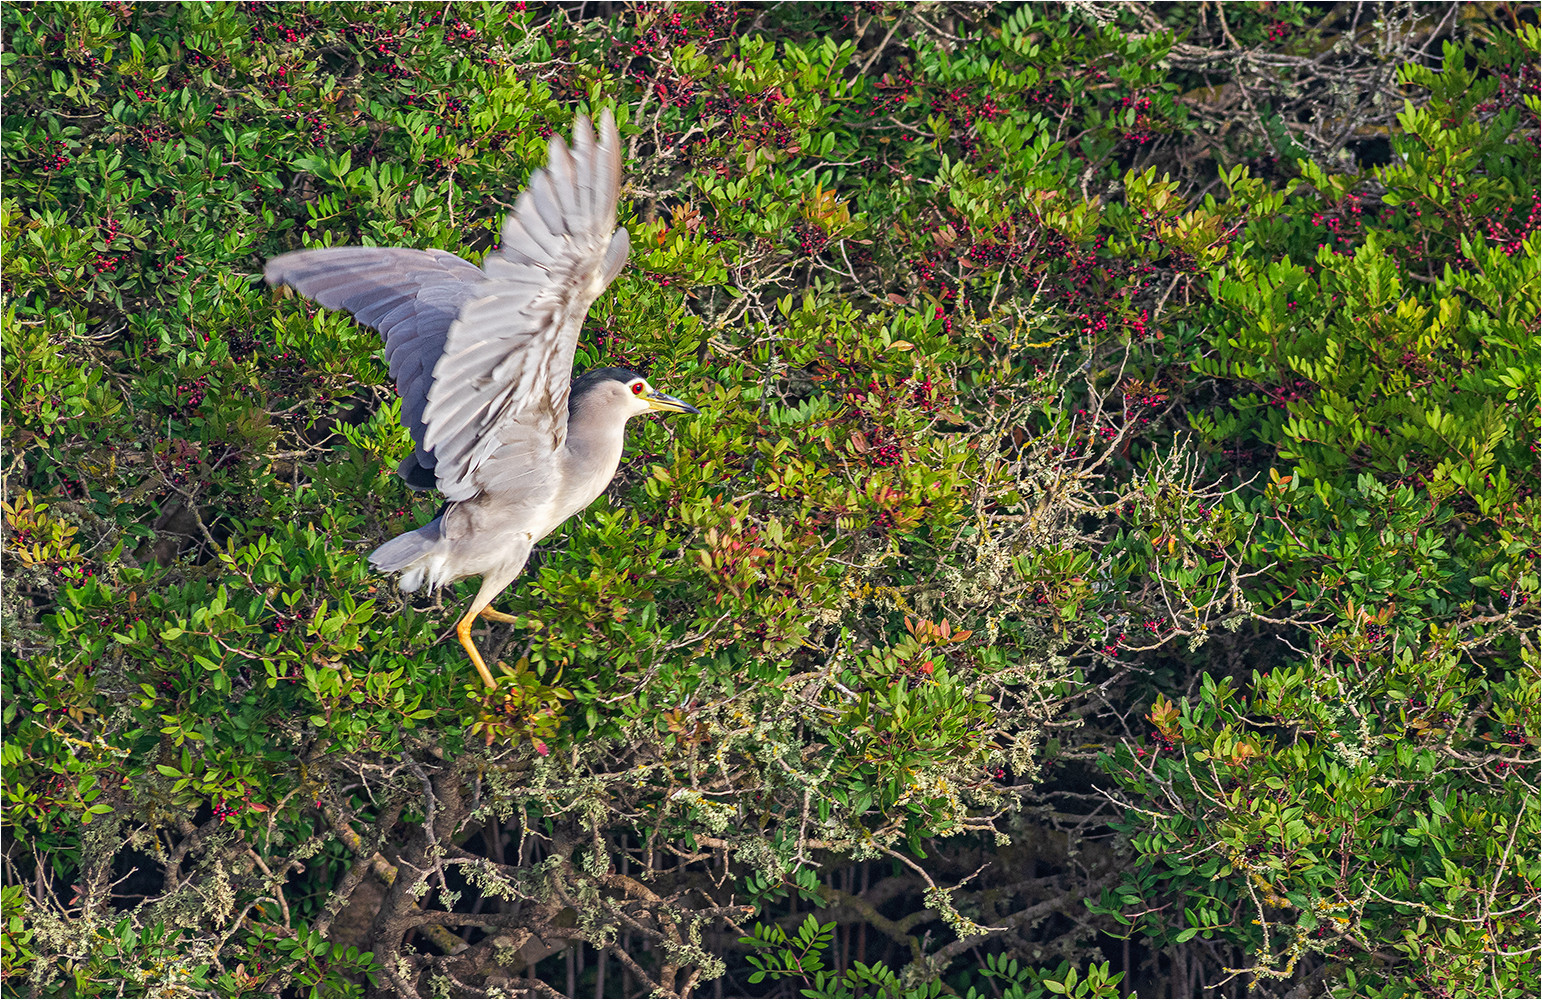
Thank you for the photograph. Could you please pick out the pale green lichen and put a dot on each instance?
(940, 900)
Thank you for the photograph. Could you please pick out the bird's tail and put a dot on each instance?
(419, 555)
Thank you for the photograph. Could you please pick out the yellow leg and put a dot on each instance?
(492, 586)
(463, 630)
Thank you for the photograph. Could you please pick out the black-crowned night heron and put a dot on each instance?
(483, 361)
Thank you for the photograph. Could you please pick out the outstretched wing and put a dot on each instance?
(483, 357)
(410, 296)
(498, 406)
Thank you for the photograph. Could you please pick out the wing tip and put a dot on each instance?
(583, 133)
(273, 272)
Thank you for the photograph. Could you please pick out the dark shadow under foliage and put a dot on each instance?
(1106, 562)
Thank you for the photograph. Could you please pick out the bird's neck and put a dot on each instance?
(593, 452)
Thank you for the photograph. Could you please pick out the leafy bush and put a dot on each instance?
(1365, 801)
(1107, 559)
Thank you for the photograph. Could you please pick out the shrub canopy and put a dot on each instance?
(1107, 560)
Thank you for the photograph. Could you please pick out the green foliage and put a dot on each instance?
(801, 955)
(1364, 802)
(1044, 387)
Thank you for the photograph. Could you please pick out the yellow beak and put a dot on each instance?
(668, 404)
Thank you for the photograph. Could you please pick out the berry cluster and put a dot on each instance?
(648, 59)
(924, 396)
(1142, 131)
(1511, 237)
(382, 46)
(90, 64)
(612, 343)
(1516, 599)
(241, 345)
(1289, 392)
(146, 136)
(268, 25)
(1516, 82)
(754, 120)
(1345, 224)
(145, 95)
(56, 160)
(106, 261)
(178, 462)
(878, 443)
(891, 93)
(174, 262)
(1089, 282)
(317, 126)
(1140, 399)
(962, 112)
(217, 63)
(189, 396)
(278, 82)
(75, 573)
(664, 34)
(812, 240)
(1138, 326)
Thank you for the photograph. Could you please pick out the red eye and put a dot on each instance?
(637, 388)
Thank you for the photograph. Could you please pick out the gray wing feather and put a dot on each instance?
(497, 409)
(601, 190)
(590, 191)
(410, 296)
(547, 204)
(526, 218)
(483, 357)
(616, 254)
(565, 182)
(518, 248)
(413, 402)
(406, 310)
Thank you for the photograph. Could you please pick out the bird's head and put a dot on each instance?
(623, 391)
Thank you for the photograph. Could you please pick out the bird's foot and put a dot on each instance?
(498, 616)
(463, 632)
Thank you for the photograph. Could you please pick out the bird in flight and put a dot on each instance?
(483, 361)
